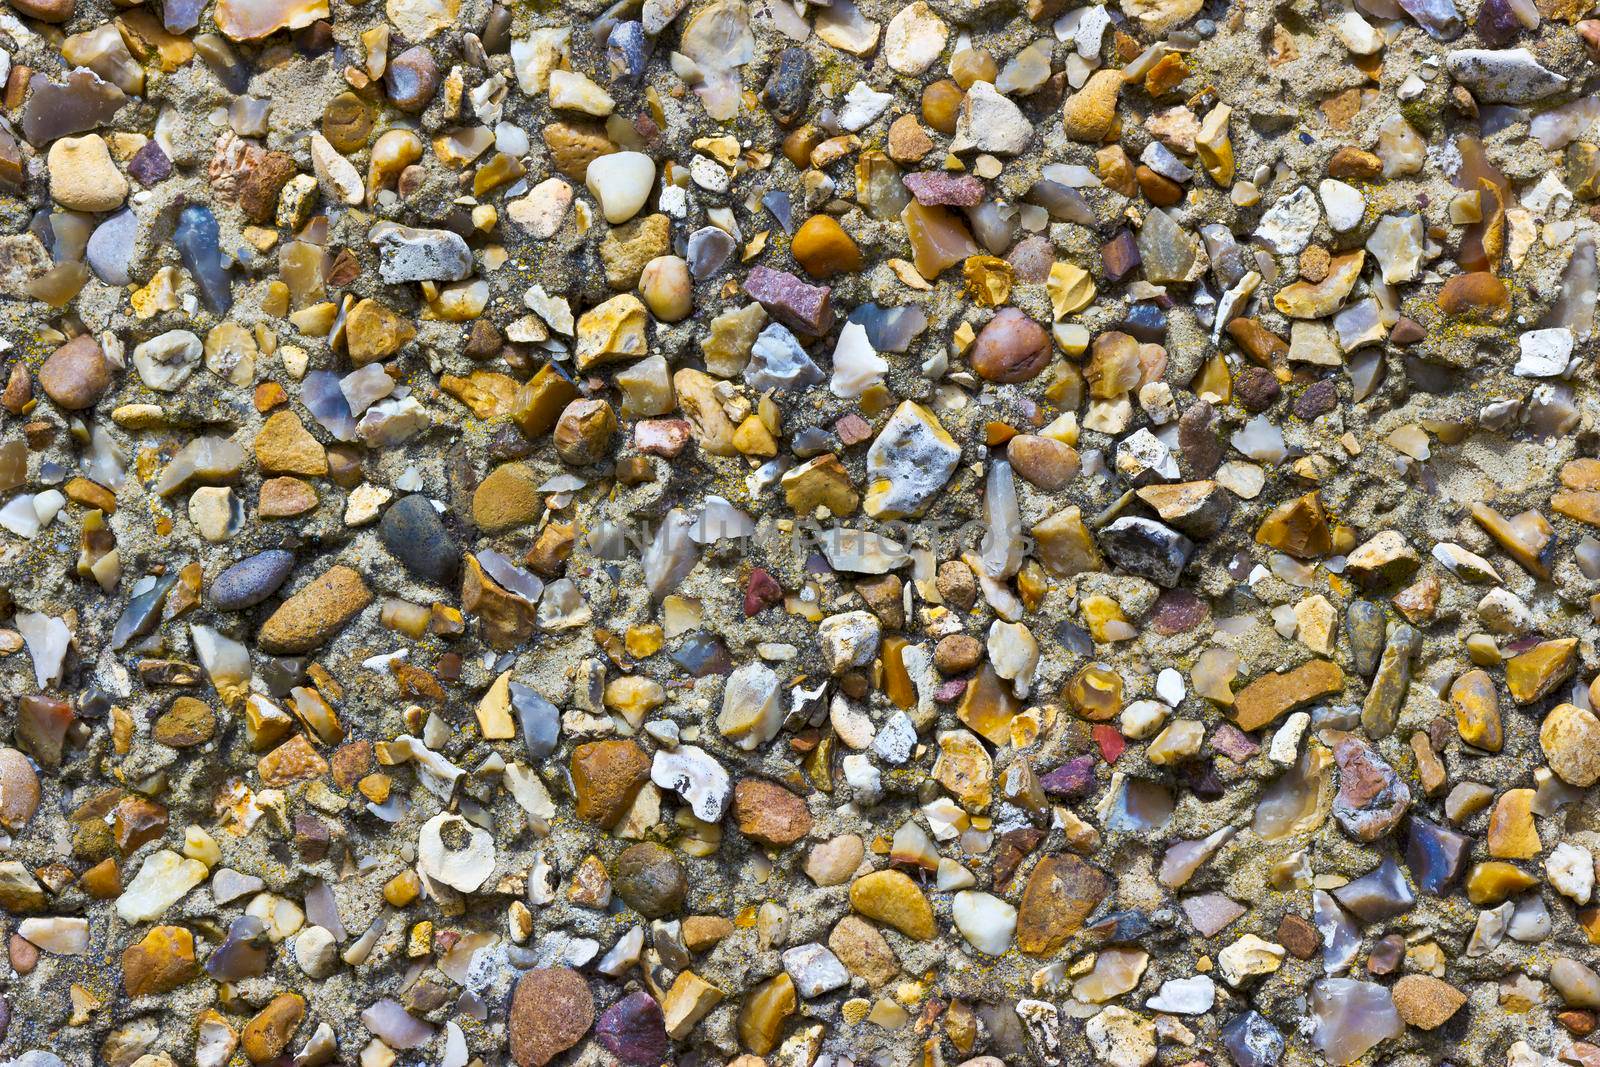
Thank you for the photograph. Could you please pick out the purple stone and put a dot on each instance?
(1073, 778)
(1436, 856)
(950, 691)
(1233, 742)
(633, 1030)
(800, 306)
(1178, 611)
(932, 188)
(150, 165)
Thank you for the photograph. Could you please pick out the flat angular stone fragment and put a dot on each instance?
(1263, 700)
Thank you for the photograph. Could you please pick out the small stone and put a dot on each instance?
(268, 1033)
(1263, 700)
(83, 177)
(621, 182)
(1426, 1002)
(1010, 348)
(891, 897)
(1089, 112)
(551, 1011)
(1569, 737)
(634, 1031)
(769, 813)
(650, 880)
(77, 374)
(414, 533)
(315, 613)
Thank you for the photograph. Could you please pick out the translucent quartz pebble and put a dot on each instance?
(395, 1026)
(539, 719)
(1183, 858)
(1062, 202)
(84, 102)
(672, 554)
(243, 954)
(196, 238)
(523, 583)
(1211, 912)
(225, 661)
(1380, 894)
(1435, 856)
(1115, 972)
(1341, 938)
(181, 16)
(1252, 1041)
(1439, 17)
(779, 361)
(1530, 920)
(708, 251)
(1138, 806)
(781, 207)
(1002, 547)
(1351, 1017)
(719, 520)
(321, 395)
(1574, 306)
(365, 387)
(47, 638)
(890, 329)
(1166, 251)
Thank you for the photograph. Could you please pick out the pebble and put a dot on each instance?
(621, 182)
(251, 581)
(83, 177)
(76, 375)
(551, 1010)
(315, 613)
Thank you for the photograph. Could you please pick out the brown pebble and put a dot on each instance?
(1298, 936)
(957, 653)
(550, 1012)
(1011, 347)
(77, 374)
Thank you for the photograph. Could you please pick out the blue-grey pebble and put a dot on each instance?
(251, 580)
(415, 535)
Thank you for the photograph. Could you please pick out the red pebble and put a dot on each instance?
(761, 592)
(1110, 741)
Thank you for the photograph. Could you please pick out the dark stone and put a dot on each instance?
(761, 592)
(149, 165)
(1120, 927)
(634, 1031)
(540, 720)
(415, 535)
(1257, 388)
(1074, 778)
(1435, 856)
(788, 90)
(1497, 23)
(1381, 893)
(251, 580)
(1365, 621)
(412, 79)
(197, 238)
(627, 49)
(1252, 1041)
(1146, 321)
(1199, 776)
(1318, 399)
(1200, 449)
(1147, 548)
(1120, 256)
(1298, 936)
(650, 880)
(1371, 797)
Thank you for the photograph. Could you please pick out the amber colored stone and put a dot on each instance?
(268, 1033)
(941, 105)
(987, 706)
(1157, 188)
(1493, 882)
(939, 239)
(137, 821)
(606, 775)
(893, 898)
(823, 249)
(1349, 162)
(293, 761)
(1536, 672)
(1166, 74)
(897, 684)
(1271, 695)
(1259, 343)
(1478, 297)
(103, 881)
(1060, 894)
(540, 401)
(1477, 708)
(1298, 527)
(1095, 692)
(160, 961)
(1512, 833)
(346, 122)
(764, 1010)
